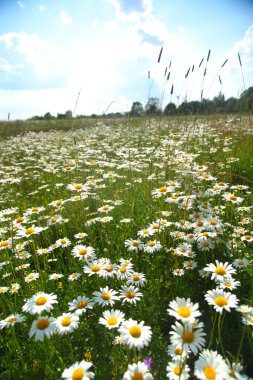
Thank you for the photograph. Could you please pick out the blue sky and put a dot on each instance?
(52, 49)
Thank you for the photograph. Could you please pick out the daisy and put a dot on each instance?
(66, 323)
(185, 335)
(14, 288)
(211, 365)
(74, 276)
(135, 334)
(221, 300)
(42, 327)
(184, 310)
(64, 242)
(247, 318)
(4, 244)
(229, 283)
(138, 371)
(240, 263)
(27, 232)
(123, 271)
(130, 294)
(105, 219)
(83, 253)
(11, 320)
(22, 255)
(78, 371)
(177, 369)
(76, 187)
(219, 270)
(94, 267)
(137, 279)
(133, 245)
(80, 235)
(112, 318)
(177, 352)
(247, 238)
(105, 296)
(152, 246)
(145, 232)
(55, 276)
(80, 304)
(105, 208)
(31, 277)
(40, 302)
(178, 272)
(232, 198)
(190, 264)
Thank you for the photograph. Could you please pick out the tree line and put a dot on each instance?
(153, 107)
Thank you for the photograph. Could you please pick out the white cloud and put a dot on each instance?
(21, 4)
(39, 53)
(41, 7)
(245, 48)
(66, 19)
(7, 67)
(95, 23)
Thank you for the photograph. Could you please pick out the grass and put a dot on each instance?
(125, 164)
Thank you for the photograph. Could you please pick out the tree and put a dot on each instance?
(153, 107)
(170, 109)
(136, 109)
(48, 116)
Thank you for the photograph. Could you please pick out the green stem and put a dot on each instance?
(212, 331)
(240, 344)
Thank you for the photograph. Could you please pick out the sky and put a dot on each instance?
(98, 56)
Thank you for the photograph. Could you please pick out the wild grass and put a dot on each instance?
(124, 164)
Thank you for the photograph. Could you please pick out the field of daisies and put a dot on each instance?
(126, 250)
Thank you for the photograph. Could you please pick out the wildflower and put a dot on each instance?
(105, 208)
(55, 276)
(130, 294)
(66, 323)
(135, 334)
(221, 300)
(137, 371)
(152, 246)
(185, 335)
(80, 235)
(64, 242)
(32, 277)
(74, 276)
(40, 302)
(77, 187)
(229, 283)
(112, 318)
(178, 272)
(11, 320)
(136, 278)
(78, 371)
(232, 198)
(190, 264)
(177, 352)
(177, 369)
(42, 327)
(105, 296)
(247, 238)
(240, 263)
(4, 244)
(4, 289)
(184, 310)
(211, 365)
(14, 288)
(219, 270)
(105, 219)
(247, 318)
(94, 267)
(27, 232)
(80, 304)
(82, 252)
(133, 245)
(145, 232)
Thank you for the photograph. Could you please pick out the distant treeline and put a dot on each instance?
(153, 107)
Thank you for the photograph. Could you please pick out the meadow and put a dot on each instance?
(126, 248)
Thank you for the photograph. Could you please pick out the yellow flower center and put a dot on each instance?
(137, 376)
(29, 231)
(109, 268)
(232, 197)
(162, 189)
(78, 374)
(189, 265)
(30, 276)
(66, 321)
(151, 244)
(155, 227)
(95, 268)
(112, 321)
(82, 304)
(78, 187)
(105, 208)
(4, 244)
(184, 312)
(213, 223)
(232, 374)
(187, 337)
(41, 301)
(136, 278)
(63, 241)
(177, 370)
(240, 262)
(178, 351)
(228, 284)
(122, 270)
(220, 301)
(106, 296)
(210, 373)
(82, 252)
(129, 294)
(199, 223)
(20, 219)
(53, 220)
(35, 209)
(12, 319)
(247, 237)
(135, 243)
(42, 324)
(220, 271)
(135, 331)
(182, 250)
(196, 215)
